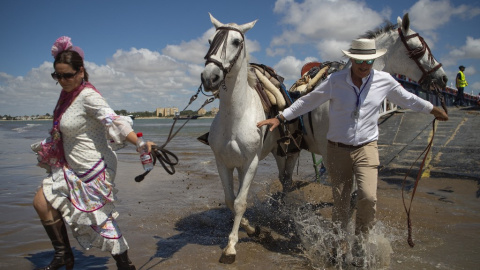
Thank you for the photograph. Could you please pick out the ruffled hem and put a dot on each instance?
(56, 192)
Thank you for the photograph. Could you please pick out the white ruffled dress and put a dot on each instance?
(83, 190)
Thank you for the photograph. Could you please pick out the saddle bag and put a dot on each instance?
(289, 144)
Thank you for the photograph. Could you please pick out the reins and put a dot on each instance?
(419, 174)
(415, 55)
(165, 157)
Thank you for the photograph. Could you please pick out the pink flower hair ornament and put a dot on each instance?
(64, 43)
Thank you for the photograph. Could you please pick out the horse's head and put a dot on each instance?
(420, 66)
(226, 47)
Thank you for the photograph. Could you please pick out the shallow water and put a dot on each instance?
(180, 221)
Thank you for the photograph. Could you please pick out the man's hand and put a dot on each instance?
(272, 122)
(439, 114)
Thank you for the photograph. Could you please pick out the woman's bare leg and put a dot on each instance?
(44, 209)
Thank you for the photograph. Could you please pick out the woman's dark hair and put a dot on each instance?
(73, 59)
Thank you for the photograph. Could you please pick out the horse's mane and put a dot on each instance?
(388, 26)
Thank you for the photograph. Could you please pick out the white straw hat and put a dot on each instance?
(364, 49)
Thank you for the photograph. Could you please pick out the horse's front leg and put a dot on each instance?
(245, 177)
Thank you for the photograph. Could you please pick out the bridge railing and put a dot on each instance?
(387, 107)
(449, 93)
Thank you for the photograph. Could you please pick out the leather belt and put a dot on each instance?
(337, 144)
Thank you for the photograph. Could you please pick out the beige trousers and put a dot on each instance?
(344, 166)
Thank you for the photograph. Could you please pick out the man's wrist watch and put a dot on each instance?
(279, 117)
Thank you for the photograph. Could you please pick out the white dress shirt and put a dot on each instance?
(343, 95)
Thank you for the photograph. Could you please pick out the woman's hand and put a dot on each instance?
(132, 138)
(149, 145)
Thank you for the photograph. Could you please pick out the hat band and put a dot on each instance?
(357, 51)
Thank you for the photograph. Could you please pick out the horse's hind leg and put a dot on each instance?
(285, 166)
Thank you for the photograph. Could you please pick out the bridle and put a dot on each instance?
(417, 53)
(219, 39)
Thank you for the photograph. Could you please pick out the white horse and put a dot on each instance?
(236, 141)
(234, 138)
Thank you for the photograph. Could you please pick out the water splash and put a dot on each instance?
(327, 245)
(320, 241)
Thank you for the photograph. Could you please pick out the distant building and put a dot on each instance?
(202, 112)
(166, 111)
(214, 111)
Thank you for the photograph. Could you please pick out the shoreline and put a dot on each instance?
(151, 117)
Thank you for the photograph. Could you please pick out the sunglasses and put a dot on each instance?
(369, 62)
(66, 76)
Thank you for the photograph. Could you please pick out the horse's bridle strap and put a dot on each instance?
(220, 38)
(416, 54)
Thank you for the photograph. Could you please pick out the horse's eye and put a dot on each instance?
(237, 42)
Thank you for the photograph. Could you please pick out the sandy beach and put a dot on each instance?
(180, 222)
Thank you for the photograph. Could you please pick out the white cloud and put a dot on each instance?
(135, 80)
(190, 51)
(470, 70)
(289, 67)
(276, 51)
(471, 50)
(428, 15)
(323, 21)
(330, 49)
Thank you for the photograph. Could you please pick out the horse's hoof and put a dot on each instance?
(257, 232)
(265, 237)
(227, 259)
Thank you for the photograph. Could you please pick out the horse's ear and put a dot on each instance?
(214, 21)
(405, 23)
(245, 27)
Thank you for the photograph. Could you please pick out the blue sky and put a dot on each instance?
(147, 54)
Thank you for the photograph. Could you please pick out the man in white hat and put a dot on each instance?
(355, 95)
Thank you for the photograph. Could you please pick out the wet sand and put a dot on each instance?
(180, 222)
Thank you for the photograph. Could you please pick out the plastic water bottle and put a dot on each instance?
(145, 156)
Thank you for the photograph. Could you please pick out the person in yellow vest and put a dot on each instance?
(461, 83)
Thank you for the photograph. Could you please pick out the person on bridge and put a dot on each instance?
(461, 83)
(355, 95)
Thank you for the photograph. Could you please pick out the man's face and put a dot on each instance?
(361, 68)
